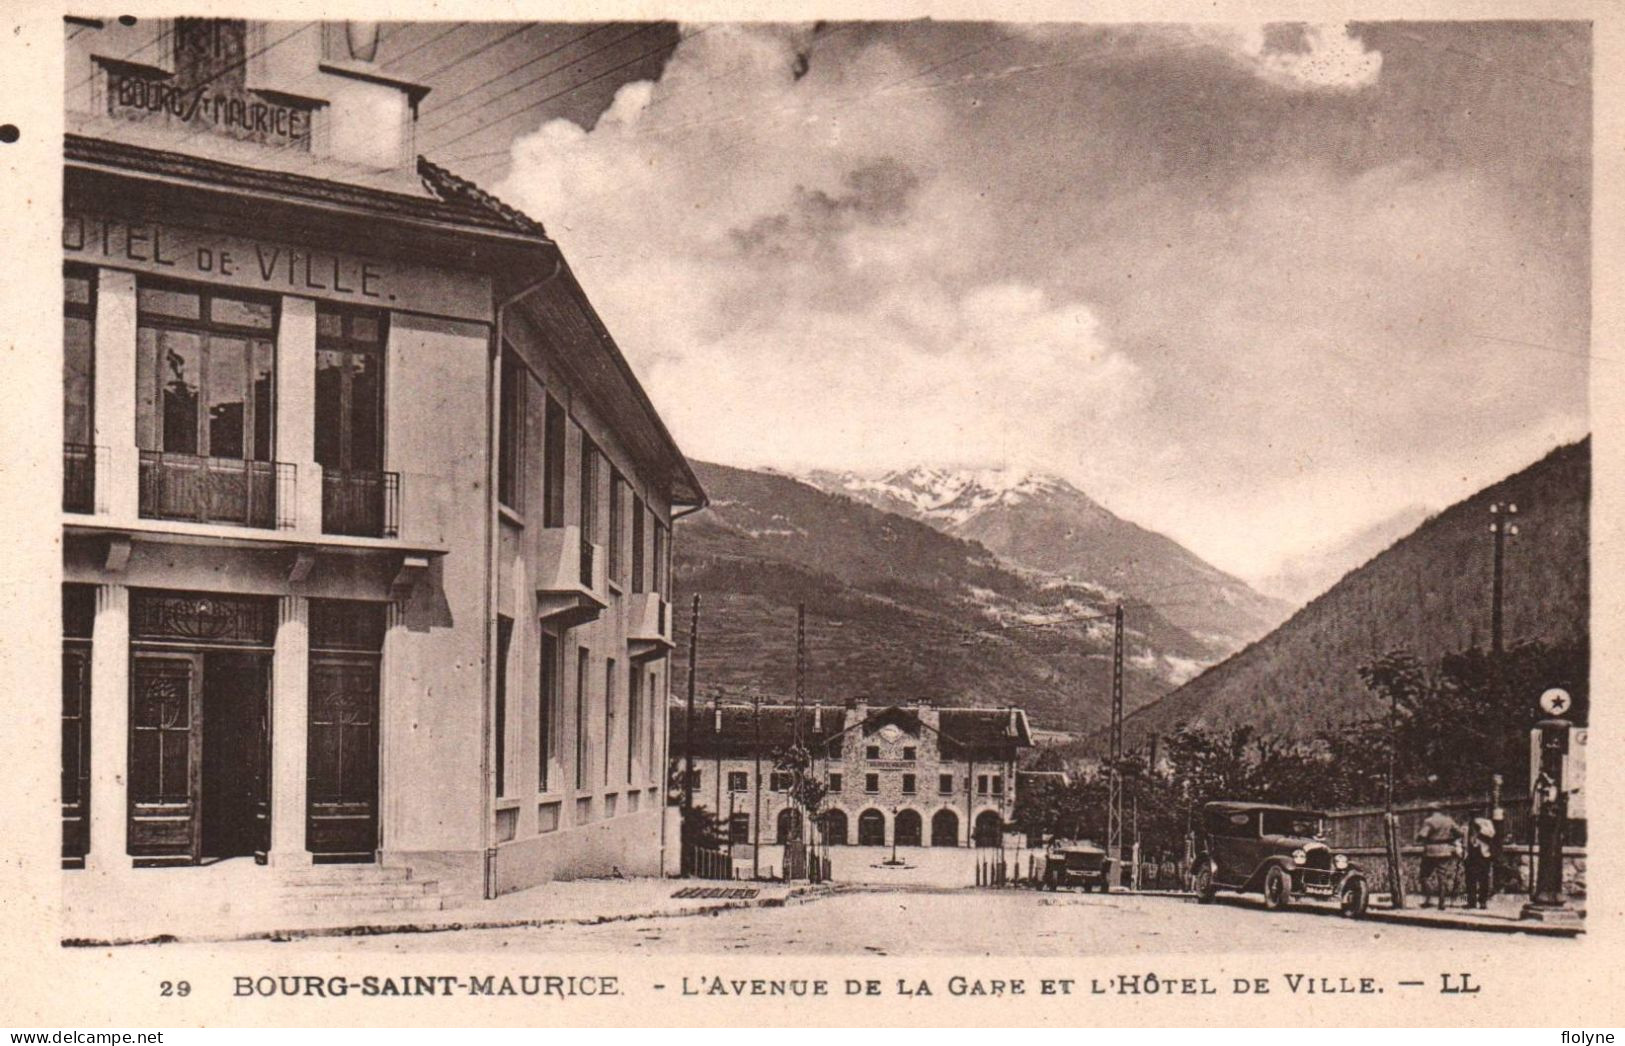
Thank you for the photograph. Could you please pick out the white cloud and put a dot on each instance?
(847, 270)
(795, 274)
(1300, 57)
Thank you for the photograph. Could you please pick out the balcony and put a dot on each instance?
(217, 490)
(570, 588)
(648, 626)
(361, 504)
(80, 464)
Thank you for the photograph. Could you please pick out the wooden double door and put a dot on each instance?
(199, 759)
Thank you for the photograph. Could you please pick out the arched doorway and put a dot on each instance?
(988, 828)
(945, 828)
(907, 827)
(871, 828)
(835, 827)
(789, 825)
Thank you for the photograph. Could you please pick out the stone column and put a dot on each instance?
(118, 484)
(290, 699)
(296, 408)
(110, 730)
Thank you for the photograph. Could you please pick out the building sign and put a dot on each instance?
(273, 266)
(208, 91)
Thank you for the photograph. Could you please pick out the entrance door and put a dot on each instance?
(871, 828)
(236, 742)
(343, 785)
(164, 764)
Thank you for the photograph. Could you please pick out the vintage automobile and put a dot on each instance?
(1081, 863)
(1278, 851)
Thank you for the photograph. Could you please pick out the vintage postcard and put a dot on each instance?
(917, 515)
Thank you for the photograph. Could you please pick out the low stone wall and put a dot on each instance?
(1513, 876)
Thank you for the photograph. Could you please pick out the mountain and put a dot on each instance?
(1044, 523)
(897, 610)
(1306, 575)
(1429, 593)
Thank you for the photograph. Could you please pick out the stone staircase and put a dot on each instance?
(357, 889)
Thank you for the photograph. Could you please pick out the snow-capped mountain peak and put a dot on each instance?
(947, 496)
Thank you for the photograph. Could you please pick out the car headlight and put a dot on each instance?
(1340, 862)
(1299, 857)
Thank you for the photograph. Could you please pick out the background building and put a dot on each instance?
(914, 774)
(366, 520)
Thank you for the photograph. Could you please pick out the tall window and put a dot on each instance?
(553, 440)
(547, 710)
(349, 389)
(511, 432)
(504, 641)
(660, 558)
(204, 364)
(583, 661)
(615, 535)
(634, 716)
(652, 718)
(589, 489)
(78, 355)
(611, 711)
(637, 544)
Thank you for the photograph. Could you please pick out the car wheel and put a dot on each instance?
(1277, 888)
(1202, 884)
(1355, 896)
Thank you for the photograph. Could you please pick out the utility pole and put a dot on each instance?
(1500, 528)
(688, 724)
(756, 790)
(1114, 799)
(1390, 819)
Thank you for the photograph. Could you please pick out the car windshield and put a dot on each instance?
(1286, 822)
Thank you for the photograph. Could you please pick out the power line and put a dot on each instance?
(438, 36)
(447, 102)
(425, 77)
(527, 83)
(569, 90)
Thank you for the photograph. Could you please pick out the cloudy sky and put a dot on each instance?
(1255, 287)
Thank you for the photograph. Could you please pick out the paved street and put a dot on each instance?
(962, 922)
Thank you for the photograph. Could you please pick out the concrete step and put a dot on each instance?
(345, 873)
(362, 906)
(413, 888)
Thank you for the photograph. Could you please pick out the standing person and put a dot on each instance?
(1439, 835)
(1480, 859)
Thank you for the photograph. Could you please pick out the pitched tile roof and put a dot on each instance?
(744, 730)
(448, 198)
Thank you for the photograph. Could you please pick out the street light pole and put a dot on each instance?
(1500, 528)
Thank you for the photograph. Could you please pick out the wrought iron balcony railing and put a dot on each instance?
(361, 503)
(80, 464)
(217, 490)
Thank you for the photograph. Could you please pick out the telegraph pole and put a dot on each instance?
(1114, 799)
(756, 790)
(1500, 528)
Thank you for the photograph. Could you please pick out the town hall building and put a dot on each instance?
(366, 520)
